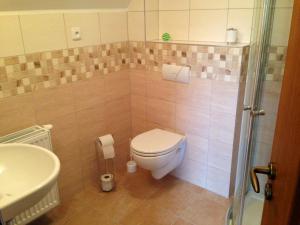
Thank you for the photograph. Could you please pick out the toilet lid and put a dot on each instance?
(155, 141)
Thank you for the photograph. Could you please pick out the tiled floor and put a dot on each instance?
(141, 200)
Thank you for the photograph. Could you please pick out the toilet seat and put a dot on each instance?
(155, 143)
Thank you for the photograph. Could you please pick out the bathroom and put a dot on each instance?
(193, 84)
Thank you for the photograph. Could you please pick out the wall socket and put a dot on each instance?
(75, 33)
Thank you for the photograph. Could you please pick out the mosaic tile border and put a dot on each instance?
(207, 62)
(30, 72)
(276, 63)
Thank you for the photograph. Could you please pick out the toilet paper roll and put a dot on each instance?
(232, 35)
(107, 147)
(106, 140)
(107, 182)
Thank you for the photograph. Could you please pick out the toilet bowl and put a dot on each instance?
(159, 151)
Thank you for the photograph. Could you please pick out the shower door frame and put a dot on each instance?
(264, 40)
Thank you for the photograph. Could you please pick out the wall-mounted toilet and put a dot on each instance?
(159, 151)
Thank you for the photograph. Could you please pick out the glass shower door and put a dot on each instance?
(271, 25)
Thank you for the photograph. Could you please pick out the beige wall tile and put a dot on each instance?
(93, 115)
(11, 42)
(151, 5)
(197, 148)
(136, 5)
(118, 118)
(176, 23)
(213, 4)
(241, 4)
(64, 132)
(219, 160)
(89, 28)
(16, 113)
(224, 96)
(192, 120)
(161, 112)
(222, 127)
(138, 107)
(113, 27)
(161, 89)
(281, 26)
(138, 126)
(53, 103)
(88, 132)
(243, 25)
(90, 93)
(117, 85)
(197, 93)
(136, 26)
(70, 178)
(91, 124)
(175, 5)
(218, 181)
(138, 83)
(284, 3)
(208, 25)
(192, 171)
(152, 25)
(43, 32)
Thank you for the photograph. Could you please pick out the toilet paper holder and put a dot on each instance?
(107, 179)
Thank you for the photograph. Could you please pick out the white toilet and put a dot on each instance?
(159, 151)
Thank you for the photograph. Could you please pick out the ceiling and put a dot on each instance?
(14, 5)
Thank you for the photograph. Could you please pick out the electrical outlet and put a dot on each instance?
(75, 33)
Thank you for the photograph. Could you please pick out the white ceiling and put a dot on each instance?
(13, 5)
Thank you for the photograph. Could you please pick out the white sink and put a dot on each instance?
(27, 173)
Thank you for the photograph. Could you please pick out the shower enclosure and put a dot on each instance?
(269, 40)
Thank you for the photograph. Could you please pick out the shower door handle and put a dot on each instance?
(269, 170)
(253, 112)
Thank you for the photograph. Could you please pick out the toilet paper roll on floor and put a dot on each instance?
(107, 146)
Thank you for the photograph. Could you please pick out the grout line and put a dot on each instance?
(145, 18)
(65, 29)
(189, 23)
(227, 19)
(22, 35)
(99, 25)
(127, 15)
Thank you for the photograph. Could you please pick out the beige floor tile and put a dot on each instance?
(206, 210)
(180, 221)
(140, 200)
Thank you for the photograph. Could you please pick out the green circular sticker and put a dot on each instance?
(166, 37)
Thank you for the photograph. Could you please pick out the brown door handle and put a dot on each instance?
(269, 170)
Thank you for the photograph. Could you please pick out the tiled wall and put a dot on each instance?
(194, 20)
(31, 32)
(270, 102)
(78, 86)
(202, 20)
(37, 50)
(32, 72)
(80, 112)
(207, 109)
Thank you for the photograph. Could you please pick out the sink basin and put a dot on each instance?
(27, 173)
